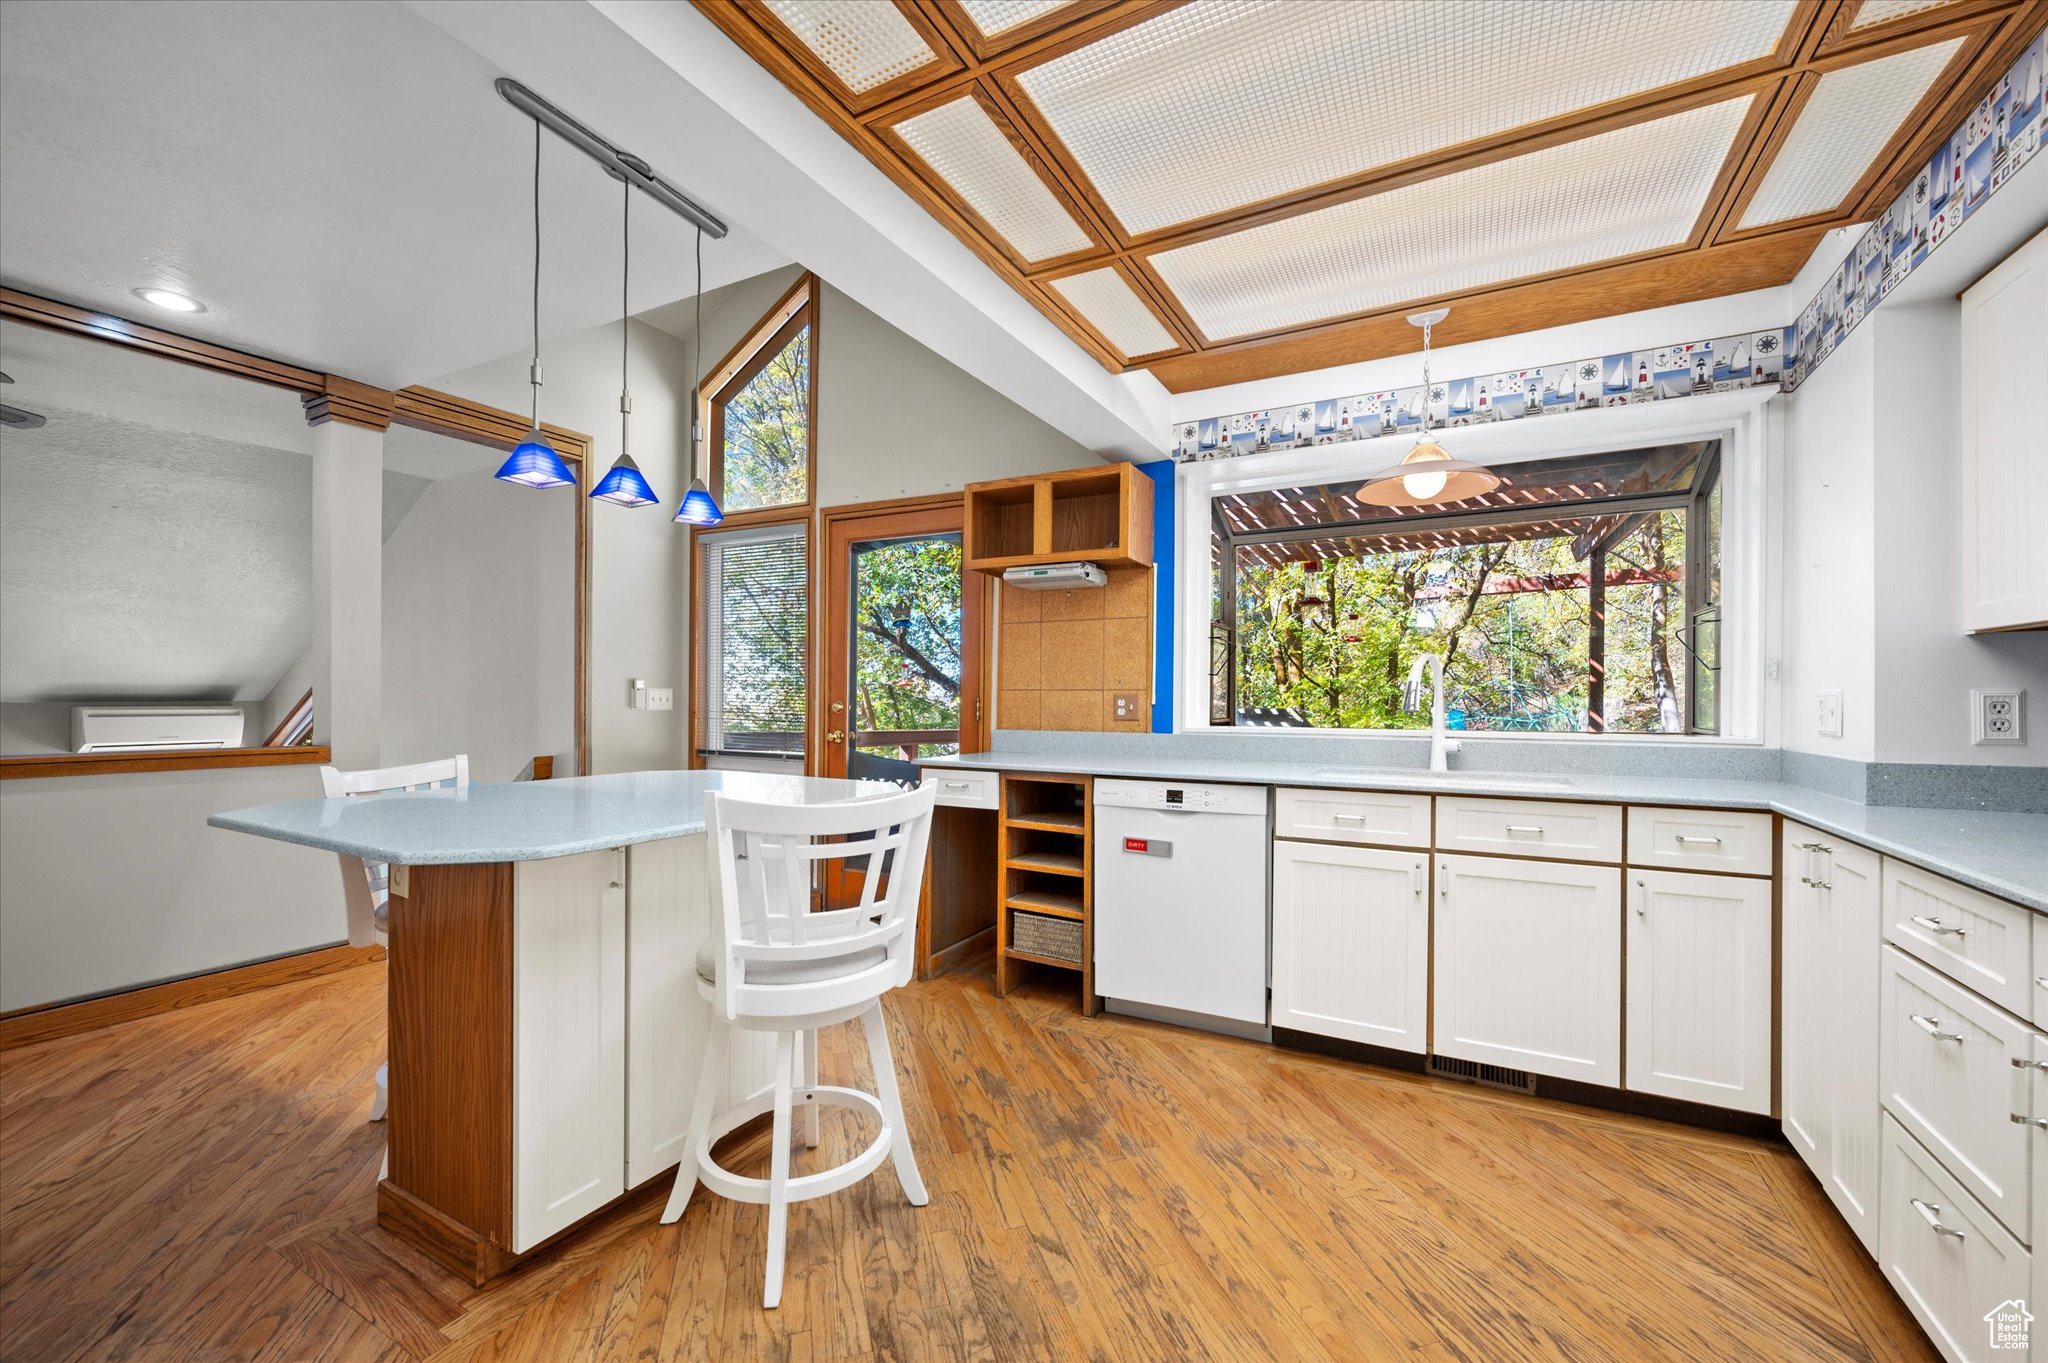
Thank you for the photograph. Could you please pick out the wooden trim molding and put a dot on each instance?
(345, 400)
(100, 326)
(428, 409)
(47, 1022)
(193, 759)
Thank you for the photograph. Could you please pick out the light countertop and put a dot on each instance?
(526, 820)
(2001, 854)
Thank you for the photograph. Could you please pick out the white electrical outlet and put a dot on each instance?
(1996, 717)
(1827, 714)
(661, 698)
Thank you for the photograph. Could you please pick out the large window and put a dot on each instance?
(1582, 596)
(755, 641)
(762, 418)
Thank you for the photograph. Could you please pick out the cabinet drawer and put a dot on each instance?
(1379, 818)
(1983, 942)
(1948, 1258)
(970, 789)
(2037, 986)
(1700, 839)
(1529, 828)
(1947, 1075)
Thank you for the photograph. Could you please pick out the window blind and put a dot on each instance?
(756, 604)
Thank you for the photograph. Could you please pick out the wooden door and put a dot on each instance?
(1351, 943)
(1528, 966)
(1699, 988)
(905, 646)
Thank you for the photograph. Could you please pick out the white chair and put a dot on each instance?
(774, 965)
(365, 885)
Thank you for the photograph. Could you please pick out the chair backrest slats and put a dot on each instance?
(365, 885)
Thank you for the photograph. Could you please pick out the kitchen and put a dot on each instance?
(1208, 680)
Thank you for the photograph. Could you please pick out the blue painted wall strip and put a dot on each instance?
(1163, 510)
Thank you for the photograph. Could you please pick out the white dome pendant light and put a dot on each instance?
(1427, 475)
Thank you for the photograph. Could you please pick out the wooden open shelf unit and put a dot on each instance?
(1044, 866)
(1099, 515)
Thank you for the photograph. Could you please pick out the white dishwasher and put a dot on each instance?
(1181, 902)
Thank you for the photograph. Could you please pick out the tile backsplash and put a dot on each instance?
(1063, 655)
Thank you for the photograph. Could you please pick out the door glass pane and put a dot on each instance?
(906, 654)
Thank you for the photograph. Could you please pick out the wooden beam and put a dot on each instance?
(190, 759)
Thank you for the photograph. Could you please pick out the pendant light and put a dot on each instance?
(534, 463)
(1427, 475)
(699, 507)
(624, 485)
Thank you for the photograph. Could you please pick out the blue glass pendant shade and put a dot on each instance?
(698, 508)
(625, 485)
(535, 464)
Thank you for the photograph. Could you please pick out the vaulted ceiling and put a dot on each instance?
(1221, 190)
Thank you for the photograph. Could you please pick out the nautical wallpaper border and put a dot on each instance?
(2001, 134)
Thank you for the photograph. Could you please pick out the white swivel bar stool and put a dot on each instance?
(365, 885)
(775, 965)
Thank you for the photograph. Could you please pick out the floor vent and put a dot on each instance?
(1489, 1076)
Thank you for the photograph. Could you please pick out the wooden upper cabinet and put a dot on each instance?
(1097, 515)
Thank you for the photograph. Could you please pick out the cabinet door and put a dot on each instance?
(1699, 988)
(668, 916)
(2037, 1135)
(1807, 985)
(1849, 877)
(2005, 478)
(568, 1041)
(1948, 1258)
(1528, 966)
(1351, 943)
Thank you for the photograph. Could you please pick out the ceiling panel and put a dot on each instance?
(1851, 118)
(962, 144)
(1876, 12)
(1110, 305)
(1635, 189)
(997, 17)
(1212, 106)
(865, 45)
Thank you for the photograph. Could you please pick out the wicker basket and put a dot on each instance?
(1057, 939)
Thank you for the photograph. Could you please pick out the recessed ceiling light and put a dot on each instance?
(170, 300)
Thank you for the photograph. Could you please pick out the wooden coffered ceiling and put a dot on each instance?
(1222, 190)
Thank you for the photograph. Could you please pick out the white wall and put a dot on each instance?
(1925, 665)
(1829, 552)
(636, 554)
(480, 627)
(109, 882)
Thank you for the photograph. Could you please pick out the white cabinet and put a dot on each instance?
(1381, 818)
(1832, 937)
(1980, 941)
(668, 916)
(2005, 446)
(1351, 943)
(2037, 1136)
(1528, 965)
(1699, 988)
(966, 788)
(1949, 1258)
(1700, 839)
(569, 1041)
(1529, 828)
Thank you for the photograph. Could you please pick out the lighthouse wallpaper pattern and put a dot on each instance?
(2002, 133)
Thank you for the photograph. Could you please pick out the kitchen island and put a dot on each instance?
(544, 1020)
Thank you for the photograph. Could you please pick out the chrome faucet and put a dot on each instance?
(1440, 745)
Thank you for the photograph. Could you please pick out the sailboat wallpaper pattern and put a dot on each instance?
(2001, 134)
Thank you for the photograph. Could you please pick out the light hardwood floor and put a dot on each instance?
(200, 1186)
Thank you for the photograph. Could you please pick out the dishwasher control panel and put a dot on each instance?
(1190, 798)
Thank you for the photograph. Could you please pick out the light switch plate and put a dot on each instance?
(1827, 714)
(1996, 717)
(661, 698)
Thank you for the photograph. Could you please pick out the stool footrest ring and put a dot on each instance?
(739, 1189)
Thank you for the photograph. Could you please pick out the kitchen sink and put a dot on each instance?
(1502, 779)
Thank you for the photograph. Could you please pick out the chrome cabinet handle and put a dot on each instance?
(1535, 828)
(2041, 981)
(1932, 1026)
(1937, 927)
(1339, 816)
(2018, 1120)
(1642, 901)
(2020, 1062)
(1931, 1214)
(1417, 879)
(1683, 838)
(953, 785)
(1816, 847)
(1817, 884)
